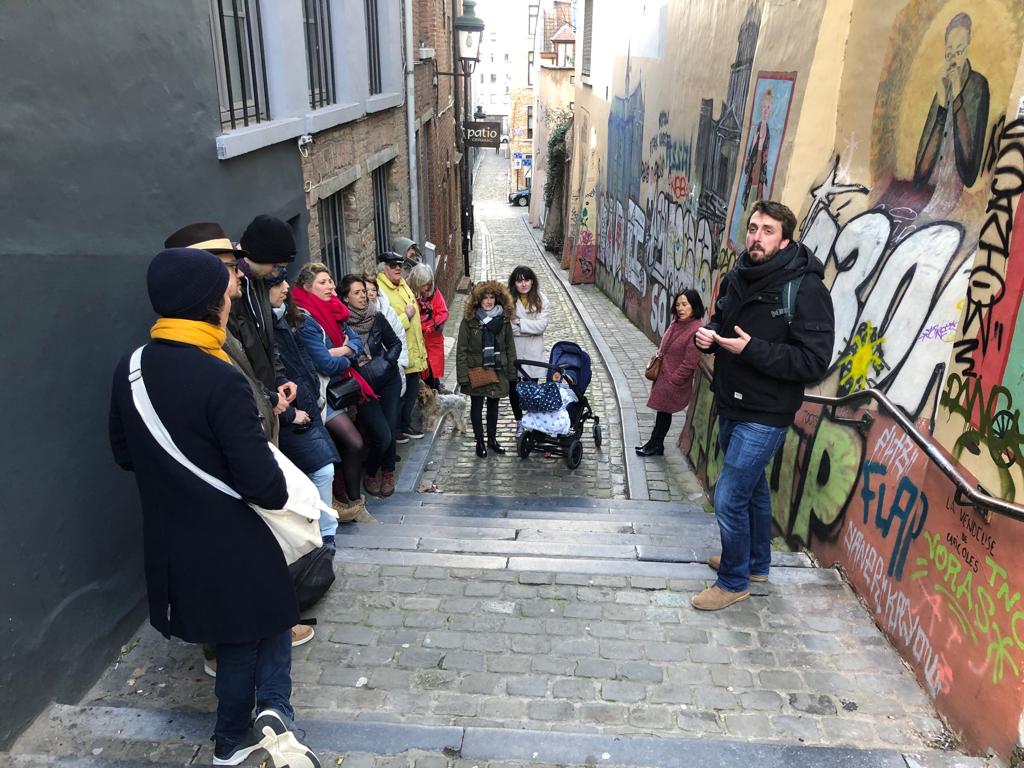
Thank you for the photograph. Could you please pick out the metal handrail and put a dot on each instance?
(966, 493)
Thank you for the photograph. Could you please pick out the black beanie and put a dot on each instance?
(185, 283)
(268, 241)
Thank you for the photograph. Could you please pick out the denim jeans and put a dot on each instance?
(743, 505)
(323, 479)
(256, 673)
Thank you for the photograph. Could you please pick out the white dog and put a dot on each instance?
(435, 407)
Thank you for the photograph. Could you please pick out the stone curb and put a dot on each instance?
(324, 732)
(636, 472)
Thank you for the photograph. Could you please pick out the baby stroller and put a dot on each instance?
(569, 367)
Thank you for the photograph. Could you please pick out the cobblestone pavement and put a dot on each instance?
(502, 242)
(668, 477)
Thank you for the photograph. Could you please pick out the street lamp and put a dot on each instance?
(469, 30)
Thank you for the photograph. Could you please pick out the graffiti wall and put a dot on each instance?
(912, 211)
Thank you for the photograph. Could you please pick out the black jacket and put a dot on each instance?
(311, 446)
(765, 383)
(214, 572)
(252, 322)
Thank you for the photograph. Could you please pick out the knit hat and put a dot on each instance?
(185, 282)
(268, 241)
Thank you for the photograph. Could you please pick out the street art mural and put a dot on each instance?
(913, 214)
(773, 96)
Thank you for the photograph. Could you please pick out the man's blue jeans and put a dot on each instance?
(743, 503)
(257, 673)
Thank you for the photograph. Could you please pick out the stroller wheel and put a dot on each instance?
(574, 455)
(524, 445)
(597, 435)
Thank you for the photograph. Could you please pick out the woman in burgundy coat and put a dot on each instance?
(671, 392)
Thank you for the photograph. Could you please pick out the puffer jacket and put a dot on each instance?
(765, 383)
(399, 296)
(469, 348)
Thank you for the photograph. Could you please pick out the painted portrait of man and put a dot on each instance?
(756, 164)
(952, 142)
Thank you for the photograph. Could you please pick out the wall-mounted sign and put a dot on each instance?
(527, 161)
(479, 134)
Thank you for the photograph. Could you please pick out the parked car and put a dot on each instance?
(520, 197)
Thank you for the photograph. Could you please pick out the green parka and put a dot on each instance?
(469, 349)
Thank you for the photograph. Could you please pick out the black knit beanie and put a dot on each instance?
(185, 283)
(268, 241)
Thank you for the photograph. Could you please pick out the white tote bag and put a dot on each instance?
(296, 527)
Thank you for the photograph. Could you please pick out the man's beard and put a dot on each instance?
(760, 257)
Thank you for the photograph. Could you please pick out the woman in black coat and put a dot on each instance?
(304, 439)
(214, 572)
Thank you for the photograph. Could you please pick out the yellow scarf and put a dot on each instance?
(209, 338)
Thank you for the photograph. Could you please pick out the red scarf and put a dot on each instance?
(331, 314)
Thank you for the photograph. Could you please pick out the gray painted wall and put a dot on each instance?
(106, 146)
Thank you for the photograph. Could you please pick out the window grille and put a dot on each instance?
(241, 68)
(316, 17)
(381, 224)
(588, 36)
(373, 45)
(529, 122)
(529, 68)
(333, 250)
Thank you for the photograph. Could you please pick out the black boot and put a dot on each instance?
(492, 443)
(481, 449)
(651, 450)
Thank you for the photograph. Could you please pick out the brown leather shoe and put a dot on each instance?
(372, 485)
(715, 560)
(301, 634)
(387, 483)
(715, 599)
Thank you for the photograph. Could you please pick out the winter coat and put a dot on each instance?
(240, 360)
(671, 392)
(765, 383)
(252, 322)
(469, 348)
(432, 321)
(214, 572)
(399, 296)
(396, 325)
(309, 447)
(317, 343)
(528, 328)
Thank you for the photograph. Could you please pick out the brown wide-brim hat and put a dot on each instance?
(205, 236)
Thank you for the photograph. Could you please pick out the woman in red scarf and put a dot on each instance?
(333, 347)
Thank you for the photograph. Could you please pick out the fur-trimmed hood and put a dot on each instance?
(480, 290)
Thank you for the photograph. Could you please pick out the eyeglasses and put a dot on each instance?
(232, 265)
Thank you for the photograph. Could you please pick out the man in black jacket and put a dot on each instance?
(771, 333)
(269, 246)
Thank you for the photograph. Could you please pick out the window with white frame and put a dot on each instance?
(316, 18)
(333, 250)
(373, 45)
(241, 68)
(381, 220)
(529, 122)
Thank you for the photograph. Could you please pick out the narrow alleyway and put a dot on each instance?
(520, 614)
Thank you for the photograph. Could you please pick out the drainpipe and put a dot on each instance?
(410, 119)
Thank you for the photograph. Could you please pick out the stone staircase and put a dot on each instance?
(499, 631)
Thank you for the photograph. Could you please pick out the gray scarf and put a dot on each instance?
(490, 323)
(361, 321)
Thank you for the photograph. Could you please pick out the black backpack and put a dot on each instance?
(789, 292)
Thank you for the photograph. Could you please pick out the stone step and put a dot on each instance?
(688, 570)
(118, 737)
(528, 513)
(680, 530)
(536, 502)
